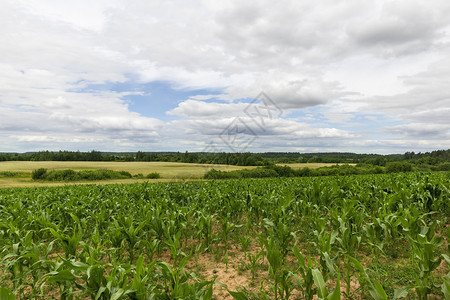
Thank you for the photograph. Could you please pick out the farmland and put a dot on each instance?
(350, 237)
(170, 171)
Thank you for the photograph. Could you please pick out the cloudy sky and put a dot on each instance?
(360, 76)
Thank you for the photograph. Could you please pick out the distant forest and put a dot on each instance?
(433, 158)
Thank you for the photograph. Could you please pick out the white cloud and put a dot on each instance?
(202, 109)
(428, 131)
(427, 100)
(333, 58)
(401, 27)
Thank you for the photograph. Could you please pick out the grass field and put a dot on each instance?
(169, 171)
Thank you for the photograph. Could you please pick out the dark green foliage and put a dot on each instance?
(71, 175)
(245, 173)
(153, 175)
(9, 174)
(286, 171)
(443, 167)
(427, 160)
(39, 174)
(394, 167)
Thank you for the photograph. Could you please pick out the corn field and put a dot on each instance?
(353, 237)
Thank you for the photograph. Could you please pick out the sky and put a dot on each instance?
(362, 76)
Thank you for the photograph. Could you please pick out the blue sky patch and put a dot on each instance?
(152, 99)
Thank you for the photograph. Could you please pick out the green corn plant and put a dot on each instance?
(96, 281)
(237, 295)
(143, 282)
(253, 261)
(204, 229)
(197, 249)
(182, 223)
(286, 285)
(305, 281)
(175, 246)
(131, 234)
(91, 254)
(445, 287)
(38, 264)
(249, 225)
(151, 246)
(65, 274)
(114, 234)
(282, 233)
(325, 242)
(373, 238)
(376, 290)
(228, 226)
(390, 225)
(177, 284)
(348, 241)
(349, 237)
(157, 223)
(117, 284)
(412, 220)
(376, 243)
(322, 291)
(245, 241)
(15, 262)
(69, 243)
(275, 259)
(25, 259)
(11, 231)
(424, 249)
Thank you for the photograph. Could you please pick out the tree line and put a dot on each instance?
(241, 159)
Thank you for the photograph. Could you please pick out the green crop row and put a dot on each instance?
(370, 237)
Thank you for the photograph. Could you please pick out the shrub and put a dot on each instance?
(153, 175)
(71, 175)
(393, 167)
(61, 175)
(125, 174)
(39, 174)
(244, 173)
(216, 174)
(303, 172)
(8, 174)
(283, 171)
(257, 173)
(443, 166)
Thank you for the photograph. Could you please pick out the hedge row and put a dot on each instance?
(71, 175)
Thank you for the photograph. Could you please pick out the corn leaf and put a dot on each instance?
(320, 283)
(6, 294)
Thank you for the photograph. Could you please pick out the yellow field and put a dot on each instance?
(169, 171)
(166, 169)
